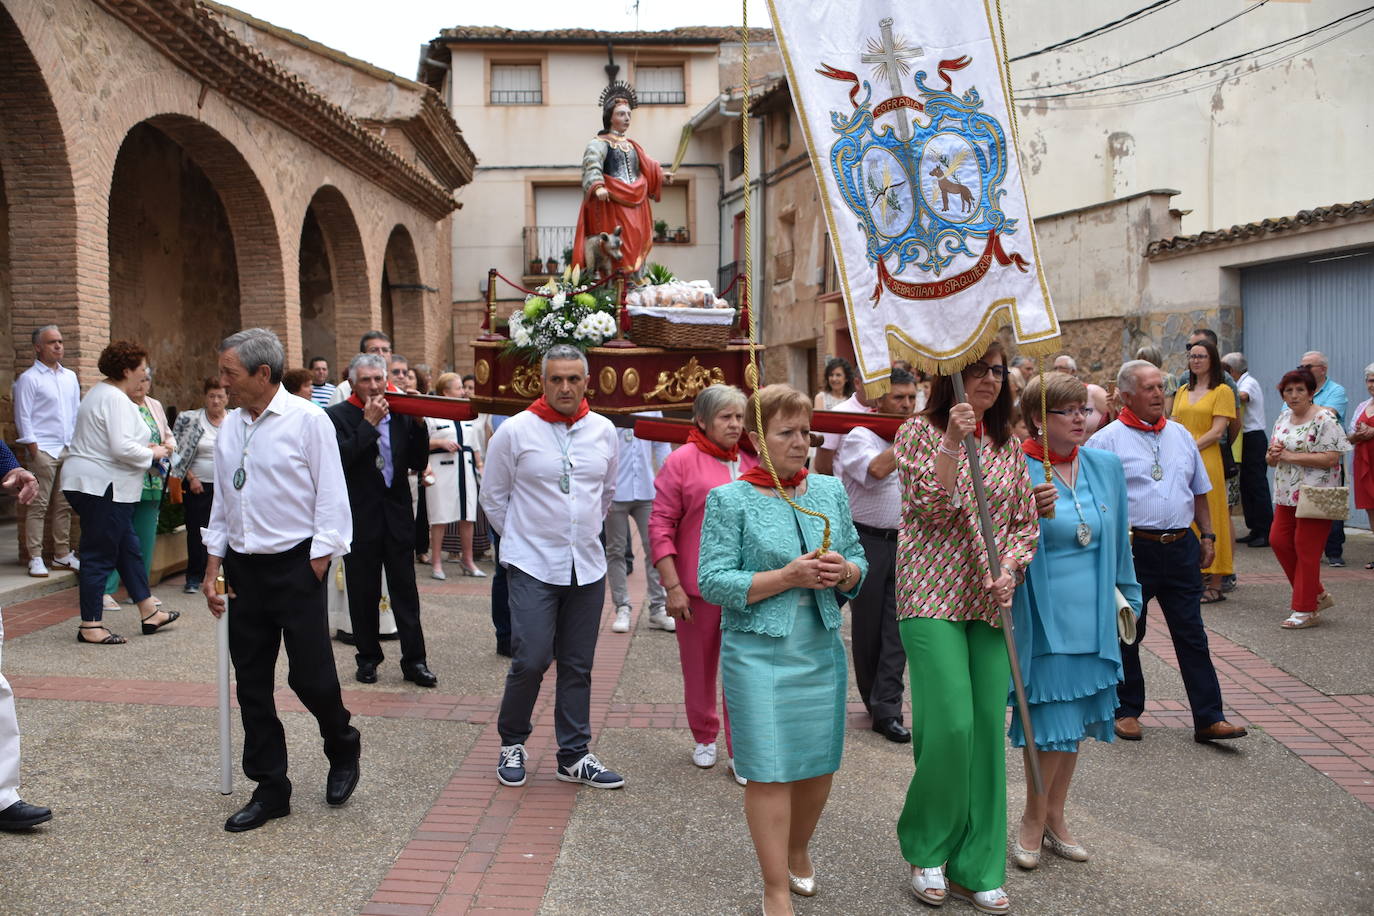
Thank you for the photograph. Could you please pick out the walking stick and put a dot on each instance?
(995, 565)
(226, 763)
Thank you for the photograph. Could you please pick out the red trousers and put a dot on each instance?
(1298, 544)
(698, 648)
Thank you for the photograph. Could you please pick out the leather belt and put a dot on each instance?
(1163, 537)
(887, 534)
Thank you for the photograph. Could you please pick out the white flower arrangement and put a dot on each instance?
(564, 310)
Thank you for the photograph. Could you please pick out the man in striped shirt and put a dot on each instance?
(321, 392)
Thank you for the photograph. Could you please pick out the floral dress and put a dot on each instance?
(1320, 433)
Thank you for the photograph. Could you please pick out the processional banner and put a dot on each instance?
(904, 106)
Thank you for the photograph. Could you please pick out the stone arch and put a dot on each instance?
(193, 246)
(403, 300)
(39, 270)
(336, 294)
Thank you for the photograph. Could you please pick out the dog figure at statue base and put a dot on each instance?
(601, 253)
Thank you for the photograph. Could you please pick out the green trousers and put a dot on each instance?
(956, 806)
(145, 526)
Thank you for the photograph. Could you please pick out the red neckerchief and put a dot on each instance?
(759, 475)
(1036, 450)
(353, 396)
(544, 411)
(978, 429)
(703, 442)
(1128, 417)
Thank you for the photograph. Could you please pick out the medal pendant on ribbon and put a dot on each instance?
(380, 463)
(1085, 534)
(1157, 472)
(240, 477)
(565, 483)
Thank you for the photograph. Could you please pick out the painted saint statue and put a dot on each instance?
(618, 181)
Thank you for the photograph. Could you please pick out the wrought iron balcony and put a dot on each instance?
(548, 249)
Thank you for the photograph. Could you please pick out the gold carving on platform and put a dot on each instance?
(607, 380)
(686, 383)
(629, 382)
(483, 371)
(751, 376)
(525, 381)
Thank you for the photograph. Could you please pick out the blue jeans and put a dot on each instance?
(108, 542)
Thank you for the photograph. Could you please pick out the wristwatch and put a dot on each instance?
(1209, 536)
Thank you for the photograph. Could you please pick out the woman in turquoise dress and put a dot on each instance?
(1065, 612)
(782, 660)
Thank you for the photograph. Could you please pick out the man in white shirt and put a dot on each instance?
(46, 398)
(1255, 499)
(549, 481)
(321, 391)
(634, 498)
(280, 514)
(866, 465)
(824, 461)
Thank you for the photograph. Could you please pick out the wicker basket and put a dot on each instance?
(654, 331)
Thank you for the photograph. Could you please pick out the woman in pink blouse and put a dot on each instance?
(711, 458)
(955, 818)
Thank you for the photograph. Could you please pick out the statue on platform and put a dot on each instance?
(618, 181)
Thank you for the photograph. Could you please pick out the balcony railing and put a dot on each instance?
(725, 278)
(547, 247)
(663, 97)
(517, 97)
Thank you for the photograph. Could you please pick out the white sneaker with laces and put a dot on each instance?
(735, 773)
(622, 619)
(70, 561)
(659, 620)
(704, 755)
(37, 568)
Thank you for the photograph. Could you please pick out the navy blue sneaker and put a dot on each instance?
(511, 770)
(590, 772)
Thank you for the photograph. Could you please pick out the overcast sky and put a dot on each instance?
(389, 33)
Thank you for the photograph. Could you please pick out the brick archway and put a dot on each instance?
(403, 299)
(336, 293)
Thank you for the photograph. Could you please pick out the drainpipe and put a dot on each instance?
(612, 68)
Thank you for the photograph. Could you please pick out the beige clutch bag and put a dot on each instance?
(1125, 618)
(1324, 502)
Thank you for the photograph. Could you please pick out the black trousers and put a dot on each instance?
(279, 600)
(1255, 500)
(500, 596)
(879, 659)
(197, 507)
(1170, 573)
(363, 570)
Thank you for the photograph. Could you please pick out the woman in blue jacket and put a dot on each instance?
(782, 660)
(1065, 613)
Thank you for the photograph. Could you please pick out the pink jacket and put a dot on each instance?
(680, 504)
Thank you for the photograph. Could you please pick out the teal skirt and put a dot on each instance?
(786, 697)
(1071, 697)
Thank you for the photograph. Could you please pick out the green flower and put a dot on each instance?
(534, 306)
(586, 300)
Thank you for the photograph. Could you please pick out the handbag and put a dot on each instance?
(1125, 619)
(1324, 502)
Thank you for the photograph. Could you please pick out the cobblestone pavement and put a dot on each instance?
(122, 743)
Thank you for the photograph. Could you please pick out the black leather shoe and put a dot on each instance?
(367, 673)
(419, 673)
(21, 816)
(344, 637)
(342, 780)
(1258, 541)
(253, 815)
(893, 730)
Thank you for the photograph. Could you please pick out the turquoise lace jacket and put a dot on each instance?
(746, 531)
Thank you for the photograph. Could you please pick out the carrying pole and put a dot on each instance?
(226, 744)
(975, 468)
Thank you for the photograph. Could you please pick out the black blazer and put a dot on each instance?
(378, 510)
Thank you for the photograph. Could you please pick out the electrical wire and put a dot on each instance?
(1145, 81)
(1139, 60)
(1100, 30)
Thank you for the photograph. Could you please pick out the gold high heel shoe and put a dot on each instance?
(1075, 852)
(802, 887)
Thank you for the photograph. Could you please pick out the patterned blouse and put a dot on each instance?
(1321, 433)
(941, 560)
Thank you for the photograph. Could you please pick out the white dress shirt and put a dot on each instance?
(1254, 408)
(293, 487)
(109, 448)
(851, 405)
(640, 460)
(45, 405)
(544, 531)
(872, 501)
(1157, 505)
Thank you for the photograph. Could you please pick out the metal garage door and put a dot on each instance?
(1324, 303)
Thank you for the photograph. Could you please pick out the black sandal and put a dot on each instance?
(1209, 596)
(150, 628)
(111, 639)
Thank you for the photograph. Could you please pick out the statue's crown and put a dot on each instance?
(620, 90)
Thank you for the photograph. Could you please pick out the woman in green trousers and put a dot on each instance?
(150, 506)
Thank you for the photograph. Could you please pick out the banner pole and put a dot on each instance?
(226, 746)
(995, 565)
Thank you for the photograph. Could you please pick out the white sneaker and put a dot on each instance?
(735, 773)
(661, 621)
(37, 569)
(704, 755)
(68, 562)
(622, 619)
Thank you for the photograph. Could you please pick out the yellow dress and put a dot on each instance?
(1197, 417)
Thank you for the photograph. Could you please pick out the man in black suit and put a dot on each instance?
(377, 450)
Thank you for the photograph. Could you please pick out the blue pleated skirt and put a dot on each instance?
(786, 697)
(1071, 697)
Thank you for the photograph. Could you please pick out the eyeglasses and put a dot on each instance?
(980, 370)
(1197, 356)
(1310, 366)
(1073, 412)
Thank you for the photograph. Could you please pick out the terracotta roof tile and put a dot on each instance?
(696, 34)
(1301, 220)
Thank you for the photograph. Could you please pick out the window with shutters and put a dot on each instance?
(516, 84)
(660, 85)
